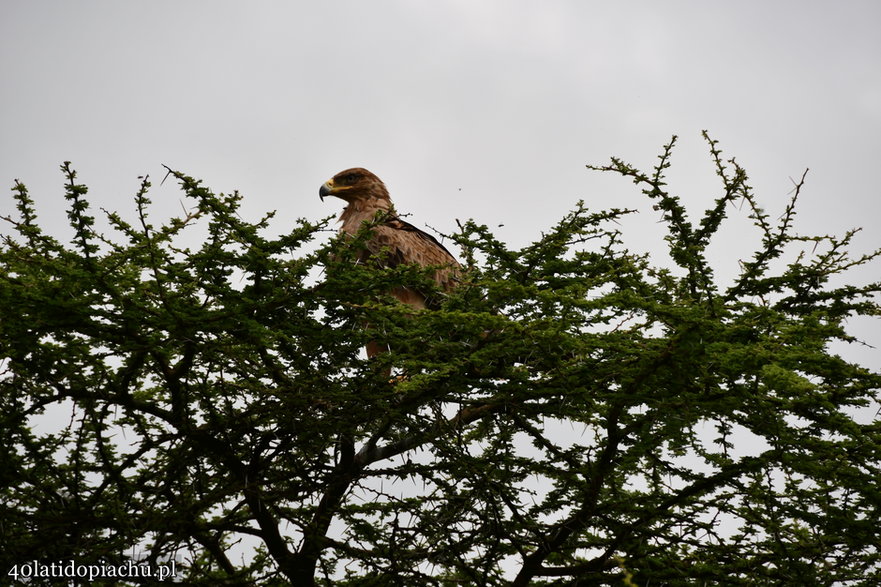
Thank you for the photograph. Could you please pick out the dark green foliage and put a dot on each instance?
(572, 414)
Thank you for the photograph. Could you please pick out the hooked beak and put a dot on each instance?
(326, 189)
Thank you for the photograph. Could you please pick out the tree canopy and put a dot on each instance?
(196, 390)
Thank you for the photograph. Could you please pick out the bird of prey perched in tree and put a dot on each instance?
(393, 242)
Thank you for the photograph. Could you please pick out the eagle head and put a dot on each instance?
(354, 184)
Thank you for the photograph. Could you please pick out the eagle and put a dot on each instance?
(393, 241)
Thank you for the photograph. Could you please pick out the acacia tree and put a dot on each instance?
(572, 414)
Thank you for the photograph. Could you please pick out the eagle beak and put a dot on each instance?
(326, 189)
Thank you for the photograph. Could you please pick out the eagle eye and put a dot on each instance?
(350, 178)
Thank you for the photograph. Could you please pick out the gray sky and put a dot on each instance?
(466, 108)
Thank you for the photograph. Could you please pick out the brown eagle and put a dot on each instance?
(393, 242)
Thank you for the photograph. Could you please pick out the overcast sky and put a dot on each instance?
(467, 109)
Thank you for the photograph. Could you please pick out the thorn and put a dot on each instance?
(167, 173)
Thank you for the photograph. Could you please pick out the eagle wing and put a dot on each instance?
(401, 243)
